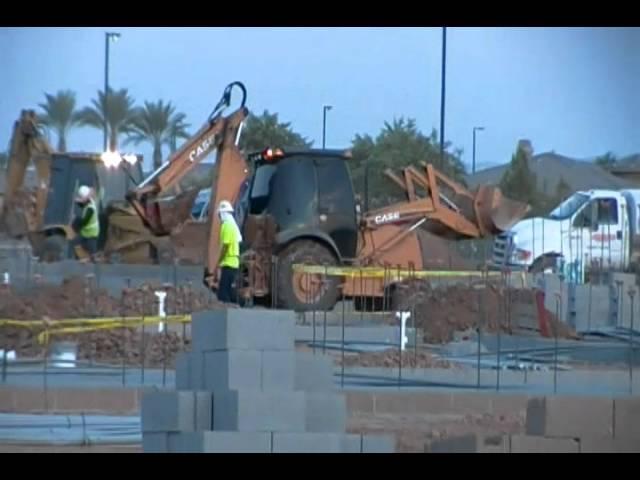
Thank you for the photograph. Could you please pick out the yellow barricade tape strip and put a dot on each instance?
(109, 321)
(389, 273)
(130, 323)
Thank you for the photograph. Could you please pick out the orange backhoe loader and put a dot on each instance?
(299, 207)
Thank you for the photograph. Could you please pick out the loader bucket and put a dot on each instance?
(496, 213)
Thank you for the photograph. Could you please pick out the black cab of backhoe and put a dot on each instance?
(308, 193)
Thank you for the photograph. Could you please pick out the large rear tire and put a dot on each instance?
(306, 292)
(54, 249)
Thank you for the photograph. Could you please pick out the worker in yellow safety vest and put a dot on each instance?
(228, 253)
(87, 225)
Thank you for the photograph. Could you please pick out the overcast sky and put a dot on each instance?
(572, 90)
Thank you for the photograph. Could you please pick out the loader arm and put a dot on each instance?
(27, 144)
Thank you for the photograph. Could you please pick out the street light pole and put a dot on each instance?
(473, 165)
(108, 36)
(442, 94)
(325, 109)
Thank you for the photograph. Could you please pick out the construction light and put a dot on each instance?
(111, 159)
(271, 154)
(130, 158)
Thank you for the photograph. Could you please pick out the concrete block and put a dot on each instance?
(570, 416)
(183, 371)
(326, 412)
(378, 444)
(314, 443)
(259, 411)
(313, 373)
(278, 370)
(155, 442)
(359, 402)
(243, 329)
(219, 442)
(609, 445)
(627, 418)
(460, 444)
(232, 370)
(173, 411)
(529, 444)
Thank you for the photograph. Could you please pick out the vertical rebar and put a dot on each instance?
(46, 368)
(124, 342)
(415, 335)
(165, 333)
(632, 293)
(143, 336)
(619, 283)
(590, 298)
(361, 298)
(481, 317)
(555, 344)
(342, 353)
(500, 316)
(4, 364)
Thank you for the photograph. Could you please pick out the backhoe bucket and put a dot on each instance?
(495, 212)
(171, 212)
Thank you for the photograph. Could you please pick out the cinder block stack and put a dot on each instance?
(244, 388)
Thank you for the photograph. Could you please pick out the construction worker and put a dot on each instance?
(87, 225)
(228, 253)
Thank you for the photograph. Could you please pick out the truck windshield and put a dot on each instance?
(570, 206)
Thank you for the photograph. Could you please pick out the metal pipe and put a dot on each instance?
(442, 96)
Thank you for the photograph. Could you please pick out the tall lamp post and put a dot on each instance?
(108, 38)
(325, 109)
(473, 165)
(442, 94)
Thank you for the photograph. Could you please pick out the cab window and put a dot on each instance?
(607, 209)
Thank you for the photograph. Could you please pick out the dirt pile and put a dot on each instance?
(78, 297)
(442, 311)
(391, 359)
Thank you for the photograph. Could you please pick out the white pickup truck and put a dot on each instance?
(591, 228)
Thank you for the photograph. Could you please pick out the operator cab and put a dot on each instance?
(308, 193)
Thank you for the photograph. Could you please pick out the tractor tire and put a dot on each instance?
(301, 292)
(54, 249)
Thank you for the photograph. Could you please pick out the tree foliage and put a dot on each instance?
(59, 114)
(267, 131)
(4, 160)
(519, 182)
(398, 145)
(158, 124)
(607, 161)
(120, 114)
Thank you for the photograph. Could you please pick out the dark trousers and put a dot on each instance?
(90, 245)
(226, 292)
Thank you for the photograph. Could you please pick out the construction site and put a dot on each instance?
(351, 330)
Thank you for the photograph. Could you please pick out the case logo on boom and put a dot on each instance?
(202, 148)
(387, 217)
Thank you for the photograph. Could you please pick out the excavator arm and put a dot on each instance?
(456, 212)
(27, 144)
(161, 213)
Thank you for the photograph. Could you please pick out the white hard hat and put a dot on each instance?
(225, 206)
(84, 192)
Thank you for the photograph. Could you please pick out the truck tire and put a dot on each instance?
(54, 249)
(300, 292)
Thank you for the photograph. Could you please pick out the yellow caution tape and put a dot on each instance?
(130, 322)
(388, 273)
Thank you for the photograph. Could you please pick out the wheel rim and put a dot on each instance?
(308, 288)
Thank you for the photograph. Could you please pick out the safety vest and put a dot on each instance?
(92, 228)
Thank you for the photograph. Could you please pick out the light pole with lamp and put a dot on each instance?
(325, 109)
(473, 164)
(108, 37)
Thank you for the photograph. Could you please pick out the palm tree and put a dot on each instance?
(120, 114)
(158, 124)
(177, 129)
(59, 115)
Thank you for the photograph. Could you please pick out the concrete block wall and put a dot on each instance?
(563, 424)
(244, 388)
